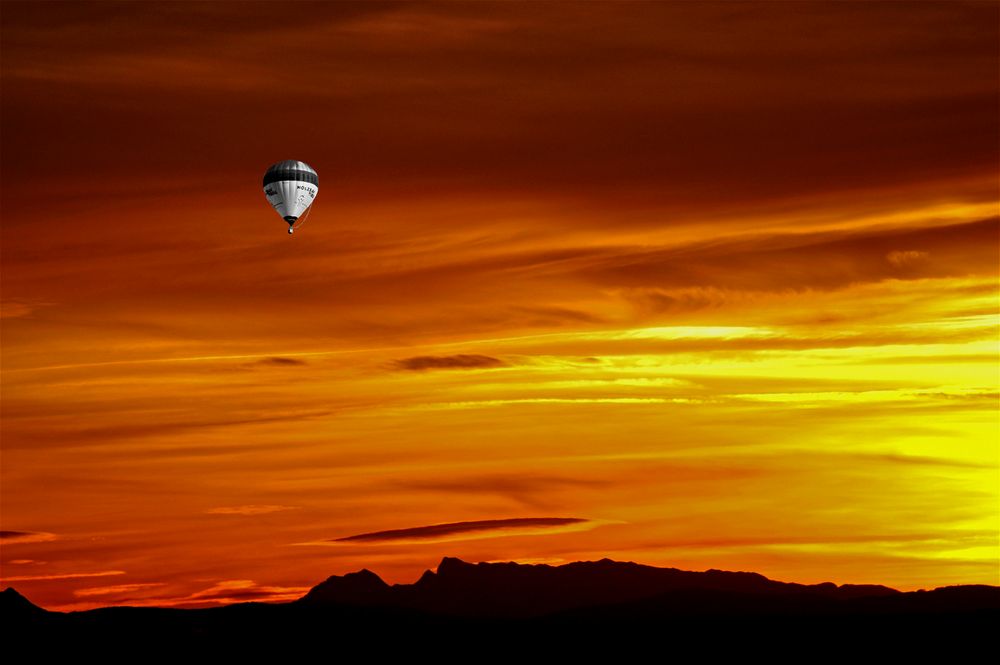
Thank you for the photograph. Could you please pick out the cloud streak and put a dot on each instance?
(151, 594)
(115, 589)
(453, 530)
(62, 576)
(26, 536)
(281, 361)
(252, 509)
(459, 361)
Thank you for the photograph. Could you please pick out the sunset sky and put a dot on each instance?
(689, 284)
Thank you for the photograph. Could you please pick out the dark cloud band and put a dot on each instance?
(452, 528)
(460, 361)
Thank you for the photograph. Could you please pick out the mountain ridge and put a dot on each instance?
(566, 609)
(511, 589)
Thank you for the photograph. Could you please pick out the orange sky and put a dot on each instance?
(694, 285)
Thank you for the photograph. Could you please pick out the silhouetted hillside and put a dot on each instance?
(15, 606)
(519, 590)
(613, 604)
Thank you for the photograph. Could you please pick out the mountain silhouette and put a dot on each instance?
(15, 606)
(510, 606)
(519, 590)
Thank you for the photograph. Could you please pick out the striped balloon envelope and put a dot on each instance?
(291, 187)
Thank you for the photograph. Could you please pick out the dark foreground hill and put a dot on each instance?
(574, 609)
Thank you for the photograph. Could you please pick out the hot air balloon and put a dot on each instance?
(291, 186)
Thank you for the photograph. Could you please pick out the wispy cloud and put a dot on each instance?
(280, 361)
(14, 309)
(115, 589)
(251, 509)
(26, 536)
(902, 257)
(457, 530)
(800, 261)
(153, 594)
(63, 576)
(73, 434)
(227, 592)
(458, 361)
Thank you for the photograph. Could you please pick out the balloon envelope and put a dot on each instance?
(290, 187)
